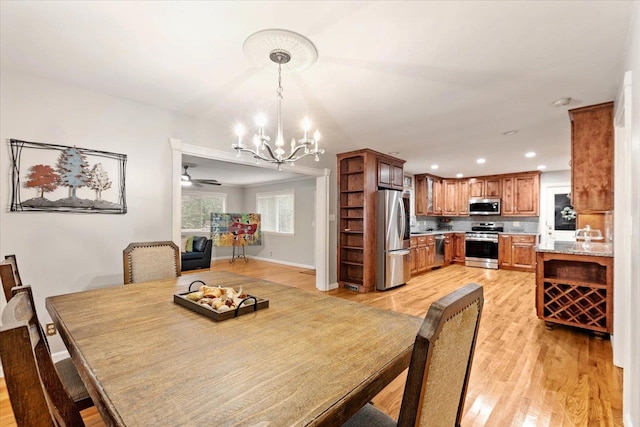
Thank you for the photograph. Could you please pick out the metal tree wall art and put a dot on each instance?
(87, 180)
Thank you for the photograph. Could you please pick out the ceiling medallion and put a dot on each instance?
(298, 53)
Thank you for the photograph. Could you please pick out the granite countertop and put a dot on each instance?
(576, 248)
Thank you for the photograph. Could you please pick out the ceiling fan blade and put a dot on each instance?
(208, 181)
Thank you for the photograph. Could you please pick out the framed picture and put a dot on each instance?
(233, 229)
(408, 182)
(59, 178)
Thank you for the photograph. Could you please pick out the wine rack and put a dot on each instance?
(575, 290)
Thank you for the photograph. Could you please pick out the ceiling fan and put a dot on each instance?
(186, 179)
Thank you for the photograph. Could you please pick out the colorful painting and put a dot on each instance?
(232, 229)
(59, 178)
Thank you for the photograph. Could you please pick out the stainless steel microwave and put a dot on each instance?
(484, 206)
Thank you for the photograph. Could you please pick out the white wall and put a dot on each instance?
(62, 252)
(299, 248)
(631, 388)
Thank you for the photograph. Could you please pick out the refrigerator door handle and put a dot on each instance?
(402, 223)
(402, 252)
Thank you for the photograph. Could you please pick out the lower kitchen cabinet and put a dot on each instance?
(457, 256)
(423, 254)
(517, 252)
(448, 243)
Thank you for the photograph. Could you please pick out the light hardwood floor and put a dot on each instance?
(522, 375)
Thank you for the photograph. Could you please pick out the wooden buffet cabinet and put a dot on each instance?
(360, 174)
(575, 287)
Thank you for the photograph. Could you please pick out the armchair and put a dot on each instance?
(199, 257)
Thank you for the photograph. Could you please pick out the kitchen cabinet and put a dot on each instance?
(592, 154)
(448, 249)
(431, 251)
(358, 179)
(429, 200)
(414, 255)
(420, 194)
(390, 173)
(575, 290)
(520, 194)
(455, 193)
(592, 158)
(517, 252)
(458, 248)
(485, 188)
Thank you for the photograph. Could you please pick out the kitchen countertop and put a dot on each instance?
(431, 233)
(576, 248)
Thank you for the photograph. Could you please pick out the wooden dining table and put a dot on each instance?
(308, 359)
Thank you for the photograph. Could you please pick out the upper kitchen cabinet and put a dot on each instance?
(429, 198)
(592, 158)
(520, 194)
(485, 188)
(455, 193)
(390, 172)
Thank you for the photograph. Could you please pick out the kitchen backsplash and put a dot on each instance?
(511, 225)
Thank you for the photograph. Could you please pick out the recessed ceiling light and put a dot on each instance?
(530, 154)
(394, 153)
(510, 132)
(541, 167)
(481, 160)
(459, 175)
(561, 102)
(434, 167)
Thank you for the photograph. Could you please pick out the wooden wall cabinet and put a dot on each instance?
(455, 193)
(592, 158)
(521, 194)
(428, 196)
(575, 290)
(390, 173)
(458, 248)
(358, 181)
(489, 187)
(517, 252)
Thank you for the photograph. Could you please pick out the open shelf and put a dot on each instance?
(575, 290)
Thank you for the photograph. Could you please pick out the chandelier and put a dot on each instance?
(260, 148)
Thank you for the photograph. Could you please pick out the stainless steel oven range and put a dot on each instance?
(481, 245)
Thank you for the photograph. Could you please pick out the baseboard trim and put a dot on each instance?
(277, 261)
(333, 286)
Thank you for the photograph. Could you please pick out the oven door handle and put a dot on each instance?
(475, 239)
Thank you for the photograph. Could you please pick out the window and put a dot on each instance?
(197, 208)
(277, 211)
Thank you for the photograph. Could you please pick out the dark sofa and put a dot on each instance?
(200, 257)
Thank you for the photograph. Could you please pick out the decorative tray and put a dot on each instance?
(213, 299)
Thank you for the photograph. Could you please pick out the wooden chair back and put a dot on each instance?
(37, 395)
(440, 364)
(9, 275)
(146, 261)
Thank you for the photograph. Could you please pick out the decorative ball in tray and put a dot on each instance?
(219, 303)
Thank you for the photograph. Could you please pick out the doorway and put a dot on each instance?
(321, 252)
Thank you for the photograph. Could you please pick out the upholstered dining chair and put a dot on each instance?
(146, 261)
(440, 364)
(9, 275)
(37, 393)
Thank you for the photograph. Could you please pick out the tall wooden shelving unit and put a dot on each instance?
(358, 181)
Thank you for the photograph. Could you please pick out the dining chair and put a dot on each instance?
(9, 275)
(146, 261)
(440, 364)
(37, 393)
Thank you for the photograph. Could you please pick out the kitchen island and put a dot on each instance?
(574, 285)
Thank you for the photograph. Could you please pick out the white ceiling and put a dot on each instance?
(437, 82)
(233, 174)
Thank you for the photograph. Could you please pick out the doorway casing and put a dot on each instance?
(321, 257)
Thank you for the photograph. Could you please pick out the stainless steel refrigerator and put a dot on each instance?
(392, 235)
